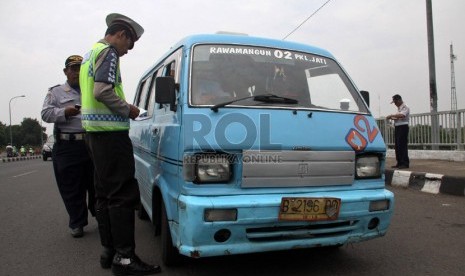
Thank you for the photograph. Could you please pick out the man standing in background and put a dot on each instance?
(401, 128)
(71, 162)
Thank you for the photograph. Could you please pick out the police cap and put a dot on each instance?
(134, 27)
(73, 60)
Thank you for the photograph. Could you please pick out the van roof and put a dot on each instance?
(192, 40)
(252, 41)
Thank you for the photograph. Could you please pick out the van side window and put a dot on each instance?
(151, 97)
(142, 99)
(138, 93)
(167, 68)
(169, 71)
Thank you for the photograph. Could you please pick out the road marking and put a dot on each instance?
(19, 175)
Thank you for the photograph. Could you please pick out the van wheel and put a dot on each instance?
(169, 253)
(44, 158)
(141, 213)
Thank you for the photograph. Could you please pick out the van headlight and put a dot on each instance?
(367, 167)
(207, 168)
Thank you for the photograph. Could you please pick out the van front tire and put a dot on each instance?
(169, 254)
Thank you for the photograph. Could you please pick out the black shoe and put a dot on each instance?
(132, 266)
(403, 167)
(77, 232)
(106, 258)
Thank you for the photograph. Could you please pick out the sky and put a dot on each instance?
(382, 44)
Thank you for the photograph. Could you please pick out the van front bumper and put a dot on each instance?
(257, 228)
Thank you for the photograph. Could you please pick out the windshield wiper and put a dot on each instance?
(272, 98)
(216, 106)
(266, 98)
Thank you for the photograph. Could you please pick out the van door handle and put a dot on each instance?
(155, 131)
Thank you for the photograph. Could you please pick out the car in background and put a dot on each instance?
(47, 148)
(11, 151)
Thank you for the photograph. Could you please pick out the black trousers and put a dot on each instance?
(74, 176)
(401, 145)
(115, 184)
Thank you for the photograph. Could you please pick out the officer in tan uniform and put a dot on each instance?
(71, 162)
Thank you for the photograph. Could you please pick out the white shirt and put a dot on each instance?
(55, 103)
(404, 110)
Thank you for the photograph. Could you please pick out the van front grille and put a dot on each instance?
(307, 231)
(262, 168)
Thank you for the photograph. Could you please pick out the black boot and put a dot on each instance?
(123, 265)
(104, 228)
(106, 258)
(125, 261)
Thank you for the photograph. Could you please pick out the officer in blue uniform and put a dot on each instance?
(71, 162)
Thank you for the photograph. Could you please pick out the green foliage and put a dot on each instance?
(26, 134)
(3, 135)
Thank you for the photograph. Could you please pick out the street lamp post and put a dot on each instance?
(41, 137)
(9, 109)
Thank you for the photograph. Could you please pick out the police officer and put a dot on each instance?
(71, 162)
(105, 116)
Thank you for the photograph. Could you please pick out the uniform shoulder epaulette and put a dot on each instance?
(50, 89)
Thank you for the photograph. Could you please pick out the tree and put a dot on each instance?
(3, 135)
(15, 134)
(30, 132)
(26, 134)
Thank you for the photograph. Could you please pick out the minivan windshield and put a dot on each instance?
(234, 74)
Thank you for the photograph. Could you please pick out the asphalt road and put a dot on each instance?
(426, 237)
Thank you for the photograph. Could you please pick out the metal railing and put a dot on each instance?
(449, 135)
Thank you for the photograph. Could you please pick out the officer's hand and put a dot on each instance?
(71, 111)
(133, 111)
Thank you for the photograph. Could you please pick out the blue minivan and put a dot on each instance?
(249, 144)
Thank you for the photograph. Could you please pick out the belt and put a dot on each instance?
(72, 136)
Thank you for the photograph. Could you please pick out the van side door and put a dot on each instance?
(141, 134)
(166, 144)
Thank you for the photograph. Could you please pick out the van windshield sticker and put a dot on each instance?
(239, 51)
(279, 54)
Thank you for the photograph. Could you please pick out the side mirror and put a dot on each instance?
(165, 91)
(366, 97)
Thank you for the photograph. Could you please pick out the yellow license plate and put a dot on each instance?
(309, 208)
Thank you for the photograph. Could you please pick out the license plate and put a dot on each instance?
(309, 209)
